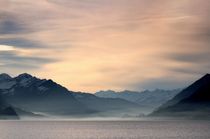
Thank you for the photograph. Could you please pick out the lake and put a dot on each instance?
(175, 129)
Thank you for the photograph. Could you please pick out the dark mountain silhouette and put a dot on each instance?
(40, 95)
(194, 101)
(149, 100)
(7, 111)
(34, 95)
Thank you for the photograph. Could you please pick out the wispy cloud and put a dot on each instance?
(22, 43)
(190, 57)
(108, 44)
(9, 24)
(12, 59)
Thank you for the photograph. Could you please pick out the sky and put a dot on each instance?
(92, 45)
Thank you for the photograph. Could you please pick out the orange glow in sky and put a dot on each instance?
(91, 45)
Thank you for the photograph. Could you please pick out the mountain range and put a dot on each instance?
(29, 96)
(45, 97)
(192, 102)
(149, 100)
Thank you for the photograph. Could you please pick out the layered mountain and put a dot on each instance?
(7, 111)
(111, 107)
(46, 97)
(149, 100)
(39, 96)
(194, 101)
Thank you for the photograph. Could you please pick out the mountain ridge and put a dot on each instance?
(46, 96)
(41, 95)
(193, 101)
(147, 99)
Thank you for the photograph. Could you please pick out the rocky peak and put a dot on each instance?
(24, 76)
(5, 76)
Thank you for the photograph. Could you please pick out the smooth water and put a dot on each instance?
(104, 129)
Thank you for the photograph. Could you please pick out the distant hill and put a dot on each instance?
(30, 95)
(149, 100)
(111, 107)
(194, 101)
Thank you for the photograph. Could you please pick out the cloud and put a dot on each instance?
(191, 70)
(80, 4)
(167, 83)
(18, 67)
(9, 27)
(190, 57)
(22, 43)
(107, 44)
(9, 24)
(12, 59)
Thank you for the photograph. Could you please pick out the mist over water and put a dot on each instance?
(154, 129)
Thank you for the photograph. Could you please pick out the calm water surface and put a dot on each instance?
(104, 129)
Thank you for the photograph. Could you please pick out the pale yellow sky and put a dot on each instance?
(91, 45)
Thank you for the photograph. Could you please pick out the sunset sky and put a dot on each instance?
(91, 45)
